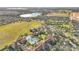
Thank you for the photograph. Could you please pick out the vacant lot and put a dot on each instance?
(10, 32)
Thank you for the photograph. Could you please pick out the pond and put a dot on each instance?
(30, 15)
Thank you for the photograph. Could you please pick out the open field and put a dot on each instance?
(10, 32)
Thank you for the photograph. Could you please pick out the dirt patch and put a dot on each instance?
(74, 16)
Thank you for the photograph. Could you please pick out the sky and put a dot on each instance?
(39, 3)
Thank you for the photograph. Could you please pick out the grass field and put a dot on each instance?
(10, 32)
